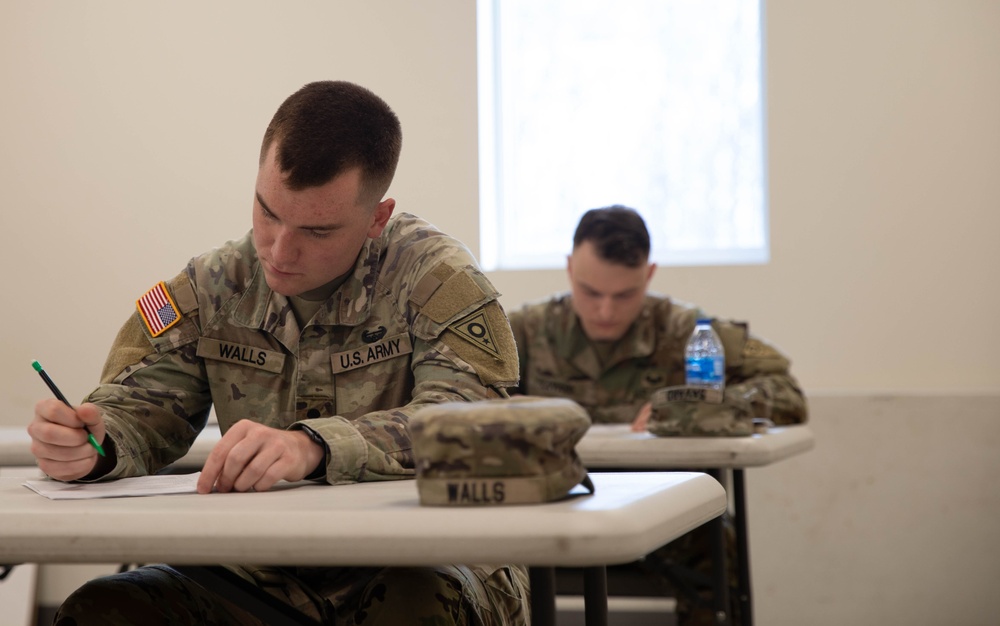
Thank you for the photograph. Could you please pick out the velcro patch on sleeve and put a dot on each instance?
(182, 290)
(130, 347)
(733, 336)
(757, 349)
(430, 283)
(455, 295)
(158, 310)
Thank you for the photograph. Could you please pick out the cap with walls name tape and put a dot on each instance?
(517, 450)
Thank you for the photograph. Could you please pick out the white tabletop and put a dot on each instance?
(358, 524)
(616, 446)
(604, 446)
(15, 447)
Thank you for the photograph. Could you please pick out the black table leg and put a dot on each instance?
(595, 596)
(720, 578)
(742, 547)
(543, 595)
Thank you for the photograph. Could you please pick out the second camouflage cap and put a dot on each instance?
(513, 451)
(685, 411)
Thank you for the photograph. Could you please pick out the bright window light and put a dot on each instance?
(654, 104)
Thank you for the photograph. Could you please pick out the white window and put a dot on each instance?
(654, 104)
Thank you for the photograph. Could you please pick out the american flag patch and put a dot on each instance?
(158, 310)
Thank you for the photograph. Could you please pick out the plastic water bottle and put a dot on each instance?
(704, 357)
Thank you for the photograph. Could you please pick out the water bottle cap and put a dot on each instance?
(704, 320)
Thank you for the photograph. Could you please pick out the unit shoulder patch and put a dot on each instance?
(475, 328)
(483, 340)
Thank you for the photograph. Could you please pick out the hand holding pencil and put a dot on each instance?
(65, 439)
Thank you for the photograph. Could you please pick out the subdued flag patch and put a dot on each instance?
(158, 310)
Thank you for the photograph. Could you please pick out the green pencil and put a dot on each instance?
(60, 396)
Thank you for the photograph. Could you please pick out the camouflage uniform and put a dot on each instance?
(417, 323)
(558, 360)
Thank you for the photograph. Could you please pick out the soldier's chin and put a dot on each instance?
(603, 333)
(277, 285)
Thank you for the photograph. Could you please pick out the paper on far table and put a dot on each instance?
(123, 487)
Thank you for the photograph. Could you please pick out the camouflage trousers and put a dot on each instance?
(158, 595)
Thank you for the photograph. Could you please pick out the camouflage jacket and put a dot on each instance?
(417, 323)
(557, 359)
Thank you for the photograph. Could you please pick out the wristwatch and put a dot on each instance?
(320, 471)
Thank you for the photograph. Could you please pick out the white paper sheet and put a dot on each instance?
(124, 487)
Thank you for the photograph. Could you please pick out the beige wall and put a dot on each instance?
(130, 134)
(128, 143)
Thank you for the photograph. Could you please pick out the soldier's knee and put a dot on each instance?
(401, 595)
(96, 602)
(151, 595)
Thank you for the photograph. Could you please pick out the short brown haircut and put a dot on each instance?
(618, 233)
(329, 127)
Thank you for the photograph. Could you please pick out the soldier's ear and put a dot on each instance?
(380, 217)
(652, 270)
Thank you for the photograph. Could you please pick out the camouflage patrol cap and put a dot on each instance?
(685, 411)
(511, 451)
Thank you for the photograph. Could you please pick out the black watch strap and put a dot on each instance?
(320, 471)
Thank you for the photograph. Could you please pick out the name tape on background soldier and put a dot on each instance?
(684, 393)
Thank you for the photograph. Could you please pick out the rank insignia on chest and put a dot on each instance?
(158, 310)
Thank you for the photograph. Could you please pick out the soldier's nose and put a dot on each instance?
(282, 251)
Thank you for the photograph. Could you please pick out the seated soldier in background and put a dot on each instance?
(609, 344)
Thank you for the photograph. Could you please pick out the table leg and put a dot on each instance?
(742, 547)
(543, 595)
(595, 596)
(720, 578)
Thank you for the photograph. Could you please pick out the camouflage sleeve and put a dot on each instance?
(517, 327)
(376, 446)
(153, 395)
(463, 351)
(757, 370)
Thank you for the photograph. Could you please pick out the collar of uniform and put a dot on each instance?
(637, 342)
(352, 302)
(260, 307)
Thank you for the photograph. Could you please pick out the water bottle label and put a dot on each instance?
(705, 371)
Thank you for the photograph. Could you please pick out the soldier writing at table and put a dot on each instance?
(315, 336)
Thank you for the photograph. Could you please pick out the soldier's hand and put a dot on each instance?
(254, 456)
(640, 421)
(59, 441)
